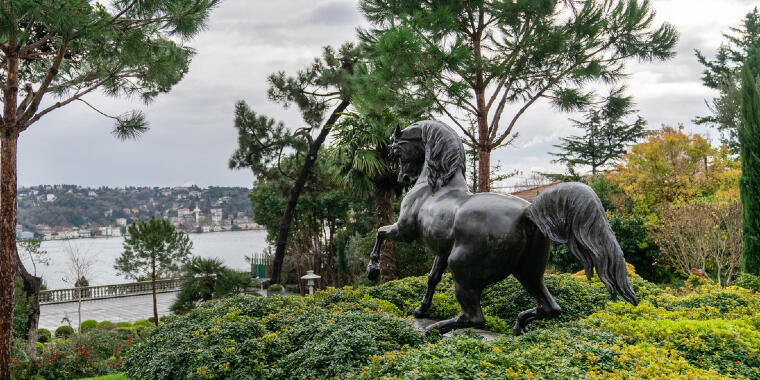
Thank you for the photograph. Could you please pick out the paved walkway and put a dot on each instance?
(121, 309)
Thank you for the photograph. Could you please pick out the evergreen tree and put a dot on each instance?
(606, 136)
(324, 88)
(152, 249)
(723, 74)
(477, 59)
(65, 50)
(749, 183)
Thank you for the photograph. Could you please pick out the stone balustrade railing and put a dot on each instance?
(108, 291)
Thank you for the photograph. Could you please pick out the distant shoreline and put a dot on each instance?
(122, 236)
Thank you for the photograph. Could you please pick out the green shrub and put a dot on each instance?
(577, 298)
(88, 325)
(124, 324)
(749, 281)
(94, 352)
(570, 352)
(324, 336)
(64, 332)
(275, 287)
(44, 335)
(728, 342)
(106, 325)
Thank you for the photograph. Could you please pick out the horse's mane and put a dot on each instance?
(444, 151)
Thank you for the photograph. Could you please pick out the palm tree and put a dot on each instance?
(208, 278)
(364, 166)
(201, 274)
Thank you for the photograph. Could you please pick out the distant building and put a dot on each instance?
(49, 197)
(121, 222)
(183, 212)
(216, 216)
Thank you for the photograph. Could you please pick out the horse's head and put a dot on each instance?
(410, 155)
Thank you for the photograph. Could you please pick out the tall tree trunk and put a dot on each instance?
(153, 288)
(384, 217)
(8, 143)
(295, 192)
(484, 169)
(484, 138)
(8, 146)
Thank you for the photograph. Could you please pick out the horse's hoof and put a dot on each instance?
(519, 330)
(373, 271)
(420, 312)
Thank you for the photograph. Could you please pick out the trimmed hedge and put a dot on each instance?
(88, 325)
(64, 332)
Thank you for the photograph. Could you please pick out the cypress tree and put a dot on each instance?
(749, 183)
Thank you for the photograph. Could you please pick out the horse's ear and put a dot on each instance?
(397, 131)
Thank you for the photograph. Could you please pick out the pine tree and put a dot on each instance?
(153, 249)
(486, 62)
(63, 50)
(749, 183)
(607, 134)
(723, 73)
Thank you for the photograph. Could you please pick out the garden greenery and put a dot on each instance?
(698, 331)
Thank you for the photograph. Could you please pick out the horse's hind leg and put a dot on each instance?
(471, 314)
(547, 307)
(439, 265)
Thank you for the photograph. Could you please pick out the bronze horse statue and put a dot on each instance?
(483, 238)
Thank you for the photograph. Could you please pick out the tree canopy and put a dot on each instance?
(606, 134)
(153, 249)
(55, 52)
(486, 62)
(723, 73)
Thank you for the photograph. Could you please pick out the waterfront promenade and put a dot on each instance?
(122, 309)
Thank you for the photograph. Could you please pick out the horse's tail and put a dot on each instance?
(572, 213)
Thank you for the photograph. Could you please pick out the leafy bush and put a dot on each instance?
(64, 332)
(275, 287)
(564, 353)
(700, 331)
(44, 335)
(95, 352)
(749, 281)
(124, 324)
(323, 336)
(88, 325)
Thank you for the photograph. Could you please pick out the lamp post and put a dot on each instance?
(310, 277)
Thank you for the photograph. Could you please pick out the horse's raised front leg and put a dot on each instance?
(384, 232)
(439, 265)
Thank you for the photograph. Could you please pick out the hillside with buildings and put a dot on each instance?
(68, 211)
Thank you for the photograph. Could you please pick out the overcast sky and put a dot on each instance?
(192, 133)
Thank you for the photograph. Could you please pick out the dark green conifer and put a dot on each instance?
(749, 183)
